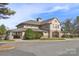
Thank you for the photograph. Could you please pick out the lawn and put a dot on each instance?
(48, 39)
(52, 38)
(7, 40)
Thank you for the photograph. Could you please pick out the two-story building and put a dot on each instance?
(50, 28)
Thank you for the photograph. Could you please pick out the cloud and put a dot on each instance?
(31, 9)
(57, 8)
(27, 11)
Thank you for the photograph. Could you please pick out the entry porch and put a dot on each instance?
(19, 33)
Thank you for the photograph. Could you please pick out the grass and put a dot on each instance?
(52, 39)
(48, 39)
(7, 40)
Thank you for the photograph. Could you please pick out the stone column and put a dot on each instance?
(10, 36)
(60, 34)
(22, 35)
(50, 34)
(50, 30)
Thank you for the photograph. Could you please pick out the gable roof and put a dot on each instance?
(30, 22)
(24, 29)
(52, 19)
(34, 22)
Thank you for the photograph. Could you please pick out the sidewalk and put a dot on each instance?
(72, 38)
(39, 40)
(66, 39)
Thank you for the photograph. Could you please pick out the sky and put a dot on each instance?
(31, 11)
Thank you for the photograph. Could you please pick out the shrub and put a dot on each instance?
(70, 36)
(67, 36)
(7, 35)
(38, 35)
(76, 35)
(30, 34)
(2, 30)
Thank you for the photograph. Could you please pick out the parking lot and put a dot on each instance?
(50, 48)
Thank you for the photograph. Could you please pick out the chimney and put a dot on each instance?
(39, 19)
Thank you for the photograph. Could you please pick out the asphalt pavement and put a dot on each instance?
(54, 48)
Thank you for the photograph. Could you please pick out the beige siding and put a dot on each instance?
(28, 26)
(55, 25)
(36, 27)
(45, 35)
(45, 27)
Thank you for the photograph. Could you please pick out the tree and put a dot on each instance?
(67, 26)
(5, 12)
(74, 26)
(2, 30)
(77, 24)
(77, 19)
(38, 35)
(30, 34)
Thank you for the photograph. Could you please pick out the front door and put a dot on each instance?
(55, 34)
(17, 35)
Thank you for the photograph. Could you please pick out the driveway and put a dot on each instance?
(51, 48)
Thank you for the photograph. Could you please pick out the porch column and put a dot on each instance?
(60, 34)
(10, 36)
(50, 34)
(22, 35)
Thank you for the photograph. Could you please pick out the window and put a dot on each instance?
(55, 26)
(55, 20)
(58, 26)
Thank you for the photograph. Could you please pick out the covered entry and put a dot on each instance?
(17, 35)
(55, 34)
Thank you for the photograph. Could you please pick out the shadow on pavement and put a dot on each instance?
(74, 52)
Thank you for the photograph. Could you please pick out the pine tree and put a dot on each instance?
(5, 12)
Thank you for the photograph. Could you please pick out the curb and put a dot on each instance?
(46, 40)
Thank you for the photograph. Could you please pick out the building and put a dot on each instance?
(50, 28)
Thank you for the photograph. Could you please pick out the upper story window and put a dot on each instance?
(30, 26)
(20, 26)
(55, 26)
(55, 20)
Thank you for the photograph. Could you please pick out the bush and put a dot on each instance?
(70, 36)
(30, 34)
(67, 36)
(38, 35)
(7, 35)
(76, 35)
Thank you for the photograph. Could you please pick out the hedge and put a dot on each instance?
(30, 34)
